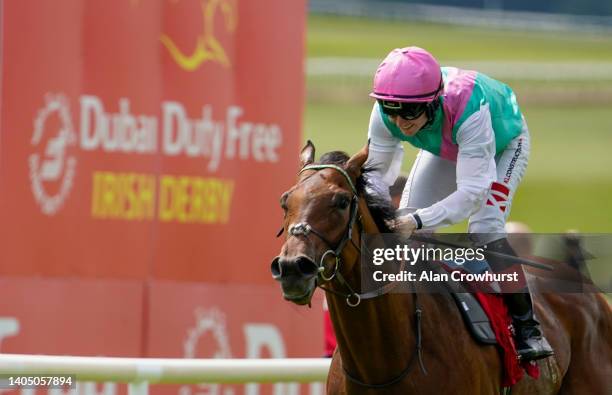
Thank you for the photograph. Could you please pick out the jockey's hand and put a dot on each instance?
(406, 224)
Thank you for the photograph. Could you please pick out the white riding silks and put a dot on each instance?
(445, 192)
(385, 155)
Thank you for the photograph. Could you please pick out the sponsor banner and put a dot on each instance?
(253, 323)
(147, 138)
(71, 317)
(55, 316)
(181, 320)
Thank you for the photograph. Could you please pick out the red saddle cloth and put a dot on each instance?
(496, 310)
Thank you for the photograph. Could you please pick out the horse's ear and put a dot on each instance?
(355, 163)
(308, 153)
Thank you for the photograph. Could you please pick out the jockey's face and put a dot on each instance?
(409, 127)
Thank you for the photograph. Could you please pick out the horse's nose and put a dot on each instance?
(300, 266)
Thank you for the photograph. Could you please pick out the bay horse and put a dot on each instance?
(391, 343)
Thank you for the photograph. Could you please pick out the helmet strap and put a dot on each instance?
(430, 111)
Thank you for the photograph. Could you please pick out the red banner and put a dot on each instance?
(231, 322)
(164, 319)
(147, 138)
(143, 148)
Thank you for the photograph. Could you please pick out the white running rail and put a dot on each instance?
(140, 372)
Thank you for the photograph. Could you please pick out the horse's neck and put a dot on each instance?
(384, 324)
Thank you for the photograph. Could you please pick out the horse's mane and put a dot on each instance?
(381, 208)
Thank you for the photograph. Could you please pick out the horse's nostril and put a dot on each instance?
(301, 267)
(275, 268)
(307, 267)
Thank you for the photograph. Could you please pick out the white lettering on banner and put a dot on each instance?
(210, 325)
(235, 133)
(248, 138)
(91, 388)
(173, 111)
(266, 336)
(260, 336)
(86, 388)
(262, 340)
(9, 326)
(122, 132)
(81, 388)
(201, 137)
(175, 134)
(204, 137)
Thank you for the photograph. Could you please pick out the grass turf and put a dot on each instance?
(360, 37)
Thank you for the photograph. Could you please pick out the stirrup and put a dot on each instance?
(539, 349)
(534, 355)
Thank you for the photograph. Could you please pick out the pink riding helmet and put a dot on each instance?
(408, 74)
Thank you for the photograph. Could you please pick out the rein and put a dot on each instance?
(353, 299)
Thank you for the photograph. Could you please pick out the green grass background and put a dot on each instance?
(568, 184)
(348, 36)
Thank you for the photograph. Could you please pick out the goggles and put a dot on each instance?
(407, 111)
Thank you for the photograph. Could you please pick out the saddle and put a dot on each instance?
(474, 316)
(476, 310)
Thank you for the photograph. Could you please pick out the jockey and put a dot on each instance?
(474, 148)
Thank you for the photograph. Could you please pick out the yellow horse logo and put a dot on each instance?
(207, 47)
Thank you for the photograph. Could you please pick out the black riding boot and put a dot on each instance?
(530, 342)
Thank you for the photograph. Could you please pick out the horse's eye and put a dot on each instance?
(342, 202)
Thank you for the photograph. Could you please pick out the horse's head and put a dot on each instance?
(320, 212)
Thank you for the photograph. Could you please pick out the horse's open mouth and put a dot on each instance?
(300, 299)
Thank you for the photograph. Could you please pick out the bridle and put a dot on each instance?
(352, 298)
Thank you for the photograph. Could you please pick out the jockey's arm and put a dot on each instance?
(385, 154)
(476, 170)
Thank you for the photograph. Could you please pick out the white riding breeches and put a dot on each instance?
(433, 179)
